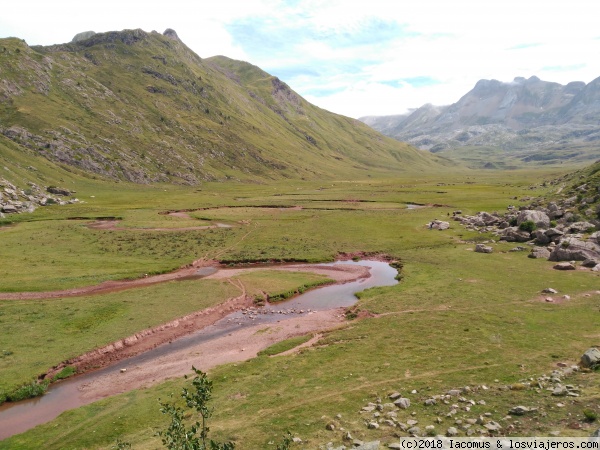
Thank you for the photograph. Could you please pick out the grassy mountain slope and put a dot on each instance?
(143, 107)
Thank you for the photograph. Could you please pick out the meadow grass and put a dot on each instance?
(284, 346)
(67, 327)
(457, 318)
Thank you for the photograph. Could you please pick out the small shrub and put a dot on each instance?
(287, 441)
(121, 445)
(553, 223)
(528, 225)
(590, 415)
(178, 436)
(259, 300)
(26, 391)
(513, 222)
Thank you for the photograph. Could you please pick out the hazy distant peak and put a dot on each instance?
(83, 36)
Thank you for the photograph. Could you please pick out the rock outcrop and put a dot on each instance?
(14, 200)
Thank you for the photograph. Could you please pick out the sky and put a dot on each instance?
(356, 58)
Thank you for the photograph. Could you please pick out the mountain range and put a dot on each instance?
(143, 107)
(526, 120)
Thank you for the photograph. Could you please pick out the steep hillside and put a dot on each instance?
(143, 107)
(526, 120)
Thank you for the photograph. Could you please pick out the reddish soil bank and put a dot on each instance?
(113, 226)
(112, 286)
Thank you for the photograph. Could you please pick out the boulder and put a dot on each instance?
(581, 227)
(489, 219)
(540, 218)
(592, 262)
(591, 358)
(539, 252)
(513, 234)
(439, 225)
(553, 233)
(9, 209)
(59, 191)
(481, 248)
(541, 237)
(573, 249)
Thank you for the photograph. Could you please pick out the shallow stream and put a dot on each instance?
(64, 395)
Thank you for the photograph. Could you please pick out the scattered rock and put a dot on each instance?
(414, 431)
(492, 426)
(564, 266)
(540, 218)
(58, 191)
(452, 431)
(481, 248)
(539, 252)
(573, 249)
(550, 291)
(368, 446)
(395, 395)
(402, 403)
(521, 410)
(591, 358)
(438, 225)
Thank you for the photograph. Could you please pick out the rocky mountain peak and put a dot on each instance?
(172, 34)
(526, 114)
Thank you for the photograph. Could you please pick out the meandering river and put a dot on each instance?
(67, 394)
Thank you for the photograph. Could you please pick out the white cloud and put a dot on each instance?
(355, 48)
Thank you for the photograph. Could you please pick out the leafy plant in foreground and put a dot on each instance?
(178, 436)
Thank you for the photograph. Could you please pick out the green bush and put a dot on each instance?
(590, 415)
(29, 390)
(528, 225)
